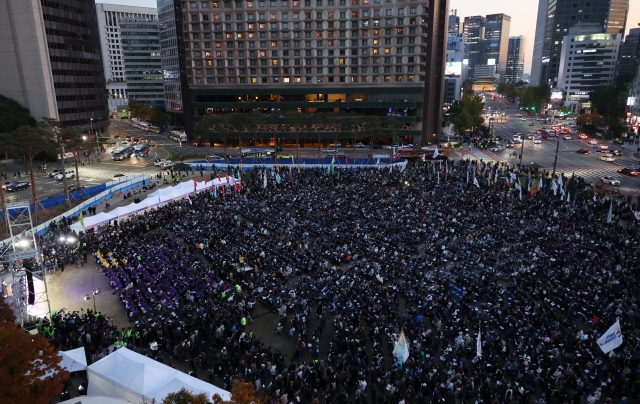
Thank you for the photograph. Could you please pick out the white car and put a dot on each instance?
(117, 177)
(358, 145)
(497, 149)
(593, 141)
(166, 165)
(529, 136)
(68, 174)
(159, 162)
(583, 136)
(519, 115)
(337, 144)
(567, 137)
(537, 141)
(610, 180)
(603, 147)
(607, 158)
(214, 157)
(329, 151)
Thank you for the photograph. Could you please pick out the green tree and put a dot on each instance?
(501, 88)
(298, 123)
(138, 109)
(205, 129)
(157, 116)
(236, 122)
(58, 134)
(28, 141)
(254, 121)
(467, 87)
(184, 396)
(13, 115)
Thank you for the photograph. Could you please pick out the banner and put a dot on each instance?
(479, 345)
(401, 349)
(611, 339)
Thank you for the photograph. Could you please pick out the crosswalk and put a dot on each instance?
(630, 163)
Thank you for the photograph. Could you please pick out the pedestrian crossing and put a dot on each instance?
(630, 163)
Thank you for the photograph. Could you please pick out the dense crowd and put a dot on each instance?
(439, 251)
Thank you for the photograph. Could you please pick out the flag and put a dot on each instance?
(475, 182)
(610, 214)
(215, 191)
(467, 175)
(219, 180)
(495, 177)
(611, 339)
(224, 192)
(538, 185)
(554, 186)
(594, 197)
(278, 179)
(435, 152)
(568, 196)
(446, 171)
(81, 219)
(194, 185)
(479, 345)
(293, 161)
(226, 177)
(401, 348)
(264, 183)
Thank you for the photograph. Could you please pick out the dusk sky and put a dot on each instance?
(523, 15)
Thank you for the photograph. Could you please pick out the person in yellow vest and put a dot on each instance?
(243, 321)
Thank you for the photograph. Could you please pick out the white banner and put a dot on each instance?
(479, 345)
(401, 349)
(611, 339)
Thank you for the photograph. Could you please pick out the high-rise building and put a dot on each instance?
(496, 41)
(629, 61)
(455, 69)
(51, 63)
(454, 21)
(142, 61)
(473, 30)
(325, 55)
(109, 18)
(169, 53)
(588, 60)
(634, 106)
(556, 17)
(515, 59)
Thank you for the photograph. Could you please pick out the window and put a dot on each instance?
(193, 5)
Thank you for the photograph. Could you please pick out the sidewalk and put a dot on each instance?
(476, 154)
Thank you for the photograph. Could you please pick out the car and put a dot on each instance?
(67, 173)
(519, 115)
(215, 157)
(16, 186)
(124, 142)
(166, 164)
(74, 188)
(377, 146)
(497, 149)
(329, 151)
(603, 146)
(358, 145)
(537, 141)
(616, 152)
(517, 136)
(495, 139)
(523, 119)
(529, 136)
(117, 177)
(567, 137)
(284, 156)
(583, 151)
(127, 138)
(159, 162)
(8, 183)
(593, 141)
(628, 171)
(532, 124)
(337, 144)
(55, 172)
(508, 106)
(509, 145)
(608, 158)
(583, 136)
(610, 180)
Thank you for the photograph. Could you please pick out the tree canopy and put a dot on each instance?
(29, 370)
(467, 113)
(155, 115)
(13, 115)
(610, 102)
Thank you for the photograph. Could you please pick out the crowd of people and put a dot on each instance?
(349, 260)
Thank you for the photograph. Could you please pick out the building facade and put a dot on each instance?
(109, 18)
(51, 61)
(556, 17)
(455, 68)
(170, 57)
(634, 105)
(496, 41)
(629, 61)
(473, 29)
(515, 59)
(142, 61)
(588, 60)
(367, 57)
(454, 21)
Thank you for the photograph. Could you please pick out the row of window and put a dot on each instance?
(275, 54)
(64, 59)
(81, 97)
(67, 47)
(341, 79)
(77, 110)
(204, 5)
(64, 7)
(307, 62)
(318, 25)
(69, 34)
(319, 15)
(76, 85)
(67, 21)
(319, 35)
(75, 73)
(308, 70)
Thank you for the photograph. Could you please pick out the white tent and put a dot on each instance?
(130, 376)
(181, 380)
(93, 221)
(73, 360)
(94, 400)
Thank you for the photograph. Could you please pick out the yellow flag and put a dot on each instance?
(81, 219)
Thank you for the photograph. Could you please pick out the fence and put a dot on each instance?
(122, 185)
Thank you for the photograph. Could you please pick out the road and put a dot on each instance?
(90, 174)
(588, 166)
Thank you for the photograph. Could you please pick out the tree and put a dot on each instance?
(56, 132)
(204, 128)
(370, 127)
(254, 121)
(186, 397)
(28, 141)
(137, 109)
(157, 116)
(29, 370)
(467, 87)
(235, 122)
(467, 113)
(13, 115)
(241, 393)
(298, 123)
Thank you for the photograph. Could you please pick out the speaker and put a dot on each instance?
(31, 290)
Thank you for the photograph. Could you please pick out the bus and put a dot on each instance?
(178, 136)
(142, 125)
(122, 153)
(154, 129)
(549, 134)
(257, 152)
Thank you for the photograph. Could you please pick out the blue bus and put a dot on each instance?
(122, 153)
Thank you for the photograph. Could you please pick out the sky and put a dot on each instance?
(523, 15)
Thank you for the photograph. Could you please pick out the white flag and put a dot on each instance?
(401, 348)
(554, 186)
(479, 345)
(264, 183)
(610, 215)
(495, 177)
(435, 152)
(594, 197)
(475, 182)
(611, 339)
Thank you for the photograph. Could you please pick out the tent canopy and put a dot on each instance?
(94, 400)
(130, 376)
(73, 360)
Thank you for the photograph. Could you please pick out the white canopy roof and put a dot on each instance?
(94, 400)
(130, 376)
(73, 360)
